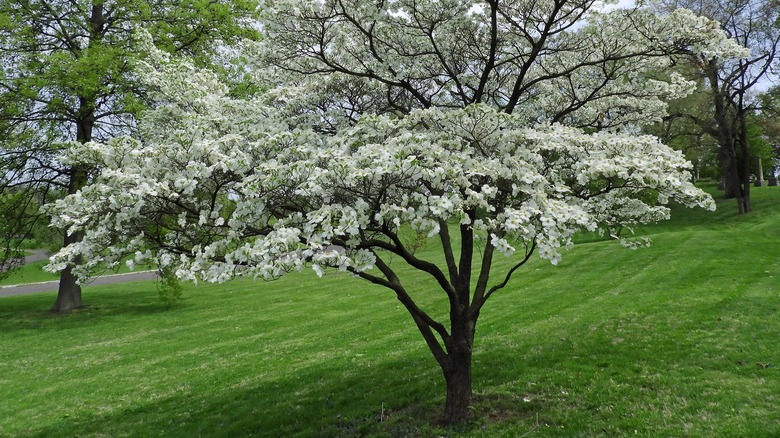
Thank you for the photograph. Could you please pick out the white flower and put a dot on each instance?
(214, 186)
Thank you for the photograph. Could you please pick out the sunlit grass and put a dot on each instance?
(679, 339)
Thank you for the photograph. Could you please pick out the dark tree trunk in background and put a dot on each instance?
(753, 24)
(743, 165)
(732, 141)
(736, 162)
(736, 175)
(69, 292)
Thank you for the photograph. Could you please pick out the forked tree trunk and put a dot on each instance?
(451, 348)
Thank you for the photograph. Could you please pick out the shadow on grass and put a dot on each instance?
(624, 378)
(380, 401)
(32, 311)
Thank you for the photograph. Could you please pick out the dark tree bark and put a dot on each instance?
(743, 166)
(69, 291)
(452, 348)
(458, 378)
(457, 374)
(731, 119)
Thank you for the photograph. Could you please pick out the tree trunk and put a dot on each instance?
(457, 366)
(730, 178)
(458, 377)
(743, 197)
(737, 182)
(69, 292)
(728, 136)
(743, 166)
(451, 348)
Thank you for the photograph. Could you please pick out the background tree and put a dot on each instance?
(686, 128)
(503, 128)
(768, 120)
(680, 128)
(732, 83)
(67, 78)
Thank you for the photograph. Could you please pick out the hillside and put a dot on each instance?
(678, 339)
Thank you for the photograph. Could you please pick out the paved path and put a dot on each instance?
(51, 286)
(36, 256)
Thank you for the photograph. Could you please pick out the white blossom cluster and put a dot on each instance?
(550, 60)
(217, 196)
(215, 186)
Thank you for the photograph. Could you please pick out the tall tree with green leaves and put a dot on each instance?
(731, 84)
(768, 120)
(681, 129)
(67, 77)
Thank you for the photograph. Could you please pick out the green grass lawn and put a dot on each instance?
(29, 273)
(679, 339)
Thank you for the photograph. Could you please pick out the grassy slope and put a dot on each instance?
(30, 273)
(34, 273)
(679, 339)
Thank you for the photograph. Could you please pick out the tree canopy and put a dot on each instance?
(732, 84)
(67, 77)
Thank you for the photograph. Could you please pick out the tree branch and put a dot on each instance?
(501, 285)
(423, 321)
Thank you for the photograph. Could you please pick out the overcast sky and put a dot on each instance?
(625, 4)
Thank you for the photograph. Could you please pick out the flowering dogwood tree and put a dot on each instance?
(495, 129)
